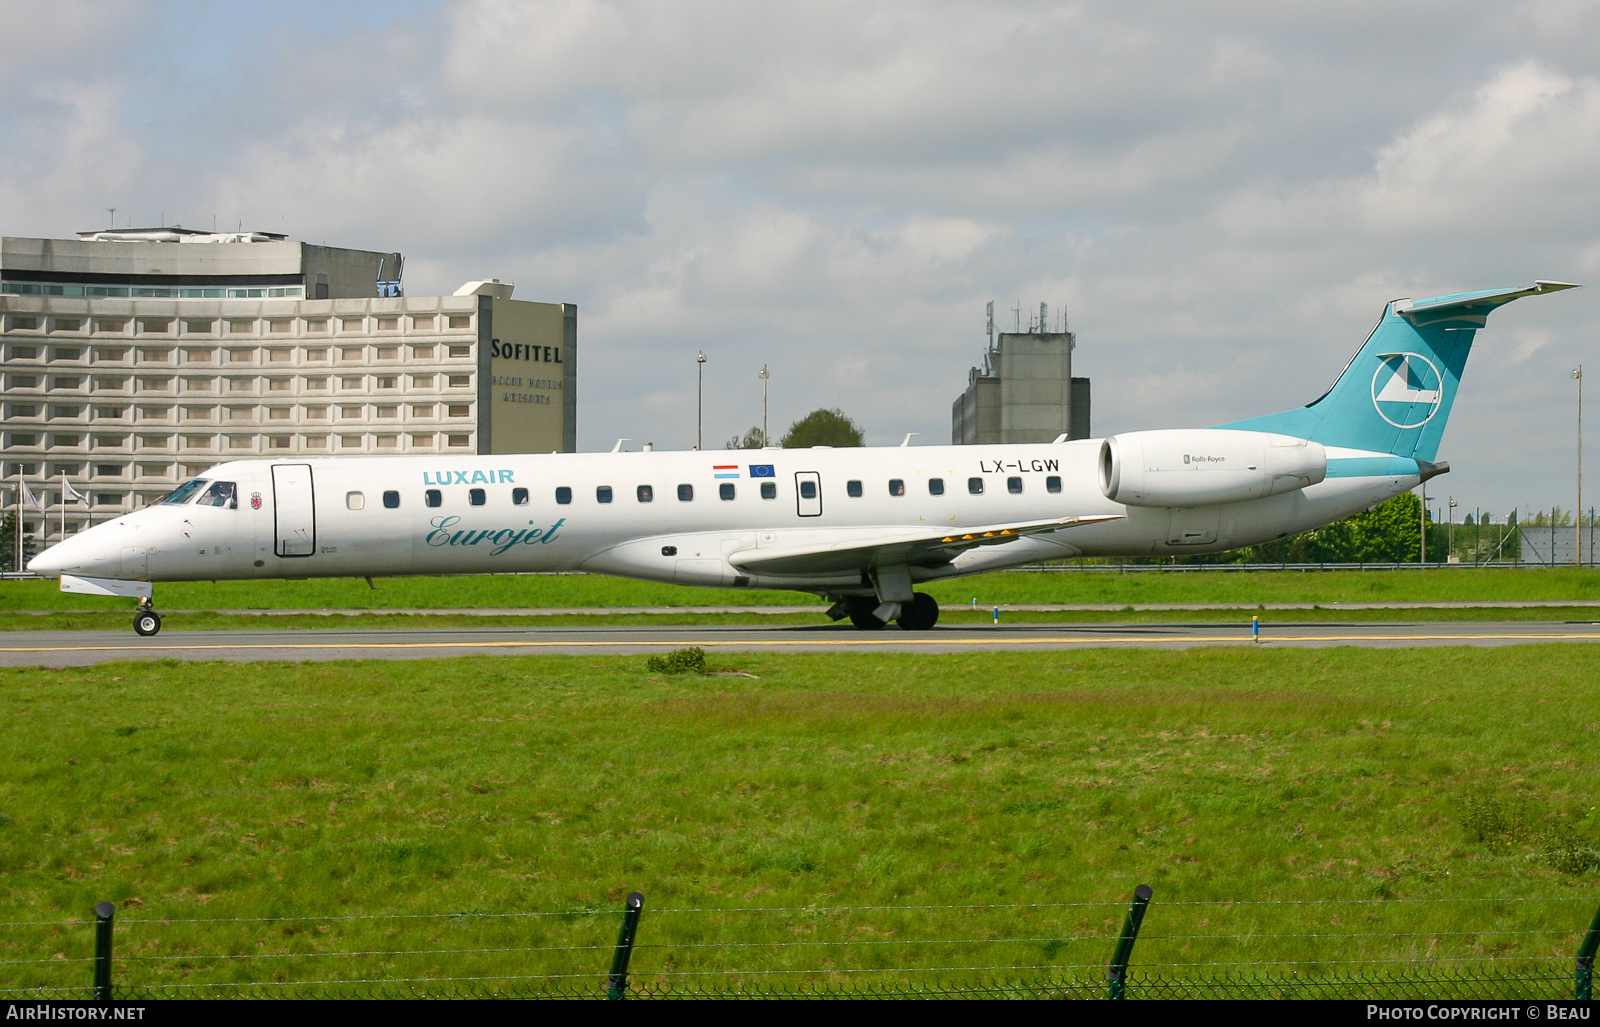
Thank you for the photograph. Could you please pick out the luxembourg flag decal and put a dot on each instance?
(725, 470)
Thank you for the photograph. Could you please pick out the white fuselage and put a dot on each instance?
(368, 516)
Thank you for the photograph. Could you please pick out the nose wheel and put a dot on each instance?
(146, 622)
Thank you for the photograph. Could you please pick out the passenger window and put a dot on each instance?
(769, 490)
(563, 495)
(1014, 486)
(477, 497)
(808, 490)
(975, 486)
(897, 487)
(725, 490)
(646, 493)
(602, 494)
(1052, 484)
(685, 493)
(431, 498)
(391, 500)
(519, 497)
(223, 493)
(935, 486)
(355, 500)
(853, 489)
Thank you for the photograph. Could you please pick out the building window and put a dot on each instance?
(24, 352)
(316, 442)
(460, 381)
(241, 327)
(460, 321)
(350, 383)
(975, 486)
(198, 384)
(461, 351)
(149, 441)
(278, 442)
(726, 491)
(241, 356)
(853, 489)
(316, 413)
(238, 442)
(23, 381)
(278, 414)
(422, 381)
(351, 353)
(280, 356)
(460, 410)
(156, 356)
(388, 411)
(241, 384)
(388, 382)
(154, 413)
(354, 500)
(388, 441)
(349, 442)
(388, 352)
(563, 495)
(279, 384)
(769, 490)
(155, 325)
(388, 324)
(110, 324)
(22, 410)
(645, 493)
(423, 441)
(432, 497)
(279, 328)
(602, 494)
(239, 413)
(477, 497)
(109, 411)
(104, 353)
(1014, 486)
(110, 441)
(197, 442)
(63, 440)
(108, 470)
(316, 354)
(317, 324)
(519, 497)
(69, 324)
(199, 356)
(422, 322)
(199, 326)
(421, 352)
(1052, 484)
(198, 413)
(25, 324)
(350, 413)
(351, 324)
(422, 410)
(66, 353)
(685, 493)
(459, 440)
(316, 384)
(391, 500)
(935, 486)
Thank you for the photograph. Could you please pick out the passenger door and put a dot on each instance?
(293, 510)
(808, 493)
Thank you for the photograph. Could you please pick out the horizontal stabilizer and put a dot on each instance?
(1472, 304)
(874, 547)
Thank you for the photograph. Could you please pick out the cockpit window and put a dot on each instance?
(223, 493)
(185, 492)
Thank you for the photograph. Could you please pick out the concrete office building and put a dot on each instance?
(135, 359)
(1023, 392)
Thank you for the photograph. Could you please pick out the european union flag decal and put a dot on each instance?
(761, 471)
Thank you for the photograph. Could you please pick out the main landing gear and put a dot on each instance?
(146, 621)
(920, 614)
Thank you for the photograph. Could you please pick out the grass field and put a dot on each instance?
(783, 811)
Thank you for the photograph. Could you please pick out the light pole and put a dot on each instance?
(700, 400)
(1422, 527)
(1450, 544)
(765, 441)
(1577, 373)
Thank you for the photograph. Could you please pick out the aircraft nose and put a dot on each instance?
(47, 564)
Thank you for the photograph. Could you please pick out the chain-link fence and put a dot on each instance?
(1369, 949)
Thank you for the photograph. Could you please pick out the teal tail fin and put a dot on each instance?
(1395, 394)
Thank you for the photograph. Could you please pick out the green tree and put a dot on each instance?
(753, 439)
(8, 543)
(823, 428)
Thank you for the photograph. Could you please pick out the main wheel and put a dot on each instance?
(920, 614)
(861, 614)
(146, 622)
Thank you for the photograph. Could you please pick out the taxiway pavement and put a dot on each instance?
(85, 648)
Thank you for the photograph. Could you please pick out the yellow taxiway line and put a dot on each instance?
(774, 643)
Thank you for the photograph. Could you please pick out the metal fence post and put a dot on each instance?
(617, 982)
(103, 913)
(1585, 960)
(1118, 972)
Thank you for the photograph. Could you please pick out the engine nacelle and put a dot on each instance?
(1202, 466)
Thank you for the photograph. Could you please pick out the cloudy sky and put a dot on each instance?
(1220, 196)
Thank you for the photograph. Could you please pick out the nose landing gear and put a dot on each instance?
(146, 621)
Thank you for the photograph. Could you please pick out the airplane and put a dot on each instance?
(861, 527)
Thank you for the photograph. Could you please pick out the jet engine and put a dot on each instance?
(1202, 466)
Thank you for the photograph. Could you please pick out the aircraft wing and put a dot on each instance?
(874, 547)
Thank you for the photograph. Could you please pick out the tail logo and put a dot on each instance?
(1406, 389)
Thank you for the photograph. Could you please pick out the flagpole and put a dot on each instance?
(19, 518)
